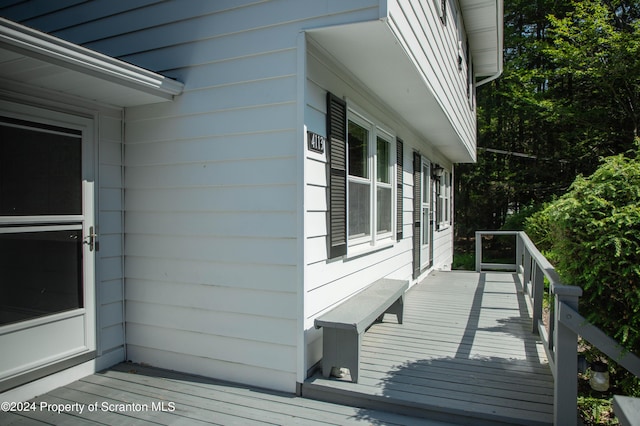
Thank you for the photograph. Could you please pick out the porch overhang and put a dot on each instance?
(484, 23)
(371, 53)
(36, 59)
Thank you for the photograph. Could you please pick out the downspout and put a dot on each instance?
(489, 79)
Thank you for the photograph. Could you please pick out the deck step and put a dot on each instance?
(432, 408)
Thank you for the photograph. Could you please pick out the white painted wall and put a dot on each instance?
(212, 211)
(211, 180)
(434, 46)
(110, 228)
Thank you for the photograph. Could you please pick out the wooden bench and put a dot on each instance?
(344, 324)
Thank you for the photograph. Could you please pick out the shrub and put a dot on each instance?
(593, 237)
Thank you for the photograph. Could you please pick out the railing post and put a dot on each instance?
(537, 292)
(478, 251)
(519, 251)
(526, 275)
(565, 411)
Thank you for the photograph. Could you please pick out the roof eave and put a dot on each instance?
(52, 50)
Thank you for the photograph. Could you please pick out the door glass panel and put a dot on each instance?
(40, 171)
(425, 227)
(40, 273)
(425, 183)
(426, 188)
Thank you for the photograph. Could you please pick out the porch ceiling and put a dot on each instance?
(371, 53)
(39, 60)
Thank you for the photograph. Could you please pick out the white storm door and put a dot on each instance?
(47, 243)
(425, 215)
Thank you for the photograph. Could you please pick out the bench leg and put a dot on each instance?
(397, 308)
(341, 349)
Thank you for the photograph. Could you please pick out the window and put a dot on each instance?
(441, 8)
(444, 199)
(362, 173)
(370, 172)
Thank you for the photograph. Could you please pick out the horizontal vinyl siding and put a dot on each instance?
(443, 248)
(434, 47)
(110, 229)
(210, 178)
(211, 238)
(328, 282)
(211, 200)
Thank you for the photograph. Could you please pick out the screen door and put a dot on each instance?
(47, 243)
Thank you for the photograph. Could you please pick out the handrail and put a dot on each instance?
(565, 323)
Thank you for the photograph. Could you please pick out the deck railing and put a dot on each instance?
(565, 324)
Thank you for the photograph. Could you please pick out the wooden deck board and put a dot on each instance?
(197, 400)
(465, 347)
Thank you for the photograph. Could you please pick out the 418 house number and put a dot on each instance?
(316, 142)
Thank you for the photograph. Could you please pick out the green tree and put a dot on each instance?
(569, 95)
(596, 53)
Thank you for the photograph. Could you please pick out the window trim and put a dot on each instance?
(444, 200)
(374, 239)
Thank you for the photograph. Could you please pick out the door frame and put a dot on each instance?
(419, 263)
(85, 318)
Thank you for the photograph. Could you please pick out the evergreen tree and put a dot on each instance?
(569, 95)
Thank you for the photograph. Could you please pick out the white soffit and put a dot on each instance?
(371, 53)
(37, 59)
(484, 21)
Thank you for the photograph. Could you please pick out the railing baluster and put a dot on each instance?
(478, 251)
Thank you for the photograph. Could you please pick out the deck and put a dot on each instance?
(129, 394)
(465, 353)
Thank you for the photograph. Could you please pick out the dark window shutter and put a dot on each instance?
(337, 159)
(417, 210)
(439, 207)
(399, 185)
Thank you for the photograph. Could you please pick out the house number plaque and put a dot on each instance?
(316, 142)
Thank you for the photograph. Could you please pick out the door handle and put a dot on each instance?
(91, 239)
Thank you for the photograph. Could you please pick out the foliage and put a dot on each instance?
(464, 261)
(516, 221)
(596, 47)
(593, 237)
(569, 95)
(596, 411)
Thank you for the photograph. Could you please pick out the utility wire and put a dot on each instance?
(520, 154)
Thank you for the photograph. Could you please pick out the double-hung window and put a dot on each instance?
(365, 181)
(444, 200)
(370, 186)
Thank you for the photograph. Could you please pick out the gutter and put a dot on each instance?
(33, 43)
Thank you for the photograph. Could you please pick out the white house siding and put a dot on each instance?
(327, 282)
(435, 47)
(212, 207)
(109, 225)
